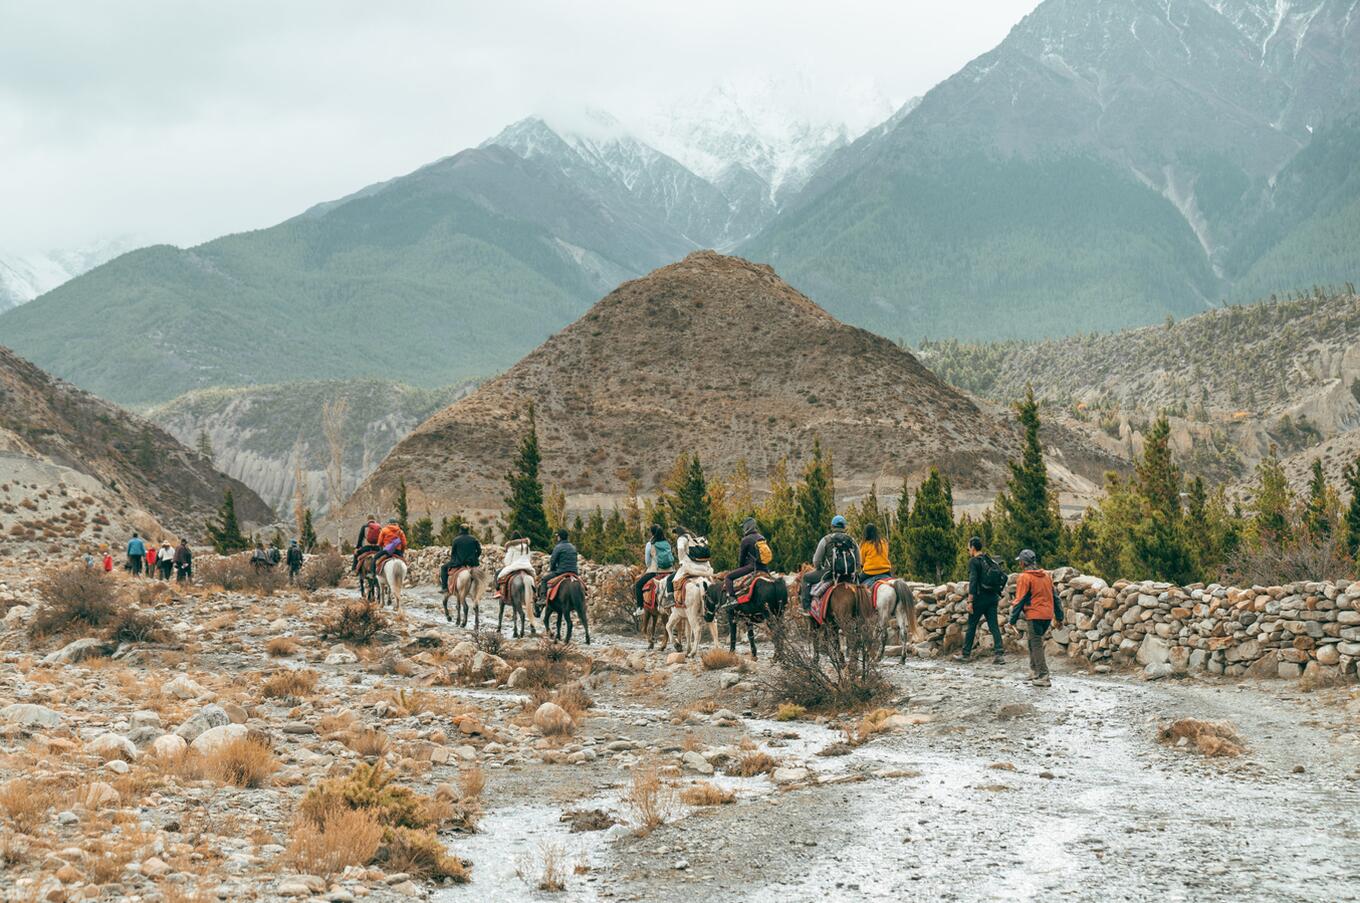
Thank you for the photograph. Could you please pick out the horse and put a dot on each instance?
(691, 611)
(846, 604)
(392, 579)
(368, 580)
(651, 617)
(895, 600)
(520, 593)
(571, 597)
(466, 585)
(768, 600)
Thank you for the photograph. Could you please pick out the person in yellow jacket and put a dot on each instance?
(873, 556)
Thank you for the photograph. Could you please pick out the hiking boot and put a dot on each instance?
(961, 657)
(998, 659)
(1041, 682)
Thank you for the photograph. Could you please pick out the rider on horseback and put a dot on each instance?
(517, 559)
(656, 558)
(392, 541)
(367, 541)
(873, 556)
(692, 553)
(749, 559)
(464, 552)
(562, 561)
(841, 557)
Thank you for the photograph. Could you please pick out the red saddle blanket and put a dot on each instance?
(652, 590)
(364, 562)
(557, 582)
(745, 587)
(821, 595)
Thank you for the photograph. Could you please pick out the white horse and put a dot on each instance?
(690, 610)
(894, 600)
(392, 579)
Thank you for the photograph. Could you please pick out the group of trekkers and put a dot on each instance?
(263, 559)
(156, 561)
(376, 543)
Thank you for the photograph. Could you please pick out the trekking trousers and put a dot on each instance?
(1038, 664)
(982, 610)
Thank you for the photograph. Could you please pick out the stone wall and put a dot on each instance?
(1277, 631)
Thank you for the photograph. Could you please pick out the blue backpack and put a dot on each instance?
(665, 559)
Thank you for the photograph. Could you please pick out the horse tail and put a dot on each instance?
(905, 597)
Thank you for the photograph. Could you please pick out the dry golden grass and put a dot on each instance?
(420, 853)
(749, 764)
(705, 793)
(718, 659)
(647, 683)
(333, 839)
(281, 646)
(872, 723)
(574, 699)
(243, 762)
(789, 711)
(415, 702)
(1210, 738)
(548, 872)
(336, 723)
(691, 742)
(368, 742)
(471, 783)
(289, 683)
(650, 800)
(25, 804)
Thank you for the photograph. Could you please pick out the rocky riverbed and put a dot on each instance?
(653, 779)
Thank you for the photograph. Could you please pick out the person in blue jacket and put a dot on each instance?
(136, 552)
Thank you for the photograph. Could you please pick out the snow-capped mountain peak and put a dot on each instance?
(26, 275)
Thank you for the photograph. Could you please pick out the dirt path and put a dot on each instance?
(1008, 792)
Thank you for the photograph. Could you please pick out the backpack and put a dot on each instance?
(842, 549)
(993, 577)
(372, 532)
(764, 551)
(273, 556)
(665, 560)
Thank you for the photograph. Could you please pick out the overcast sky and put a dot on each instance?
(178, 121)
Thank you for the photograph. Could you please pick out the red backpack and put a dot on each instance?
(372, 532)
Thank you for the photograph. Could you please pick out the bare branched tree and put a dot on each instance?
(333, 416)
(300, 487)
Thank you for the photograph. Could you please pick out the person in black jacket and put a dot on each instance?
(748, 556)
(983, 596)
(464, 552)
(294, 560)
(563, 560)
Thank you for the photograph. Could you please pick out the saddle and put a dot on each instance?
(502, 583)
(651, 592)
(363, 563)
(383, 557)
(745, 587)
(821, 596)
(556, 583)
(873, 587)
(678, 587)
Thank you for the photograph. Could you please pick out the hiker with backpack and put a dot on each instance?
(986, 581)
(753, 555)
(295, 558)
(1037, 599)
(367, 541)
(837, 557)
(657, 558)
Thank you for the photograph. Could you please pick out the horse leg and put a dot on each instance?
(751, 637)
(585, 622)
(731, 630)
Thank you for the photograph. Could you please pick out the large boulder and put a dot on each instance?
(551, 718)
(208, 717)
(169, 746)
(113, 746)
(28, 714)
(1154, 651)
(77, 651)
(215, 738)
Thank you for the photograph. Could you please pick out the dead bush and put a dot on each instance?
(130, 625)
(330, 841)
(846, 677)
(1209, 738)
(243, 762)
(420, 853)
(875, 722)
(650, 800)
(75, 598)
(356, 622)
(574, 699)
(750, 763)
(548, 872)
(25, 804)
(718, 659)
(236, 574)
(290, 683)
(324, 570)
(368, 742)
(281, 647)
(706, 793)
(489, 641)
(611, 599)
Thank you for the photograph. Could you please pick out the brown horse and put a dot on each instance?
(651, 617)
(848, 607)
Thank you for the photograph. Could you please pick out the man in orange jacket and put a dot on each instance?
(392, 539)
(1037, 599)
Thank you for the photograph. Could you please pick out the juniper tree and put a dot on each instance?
(1028, 508)
(308, 538)
(930, 535)
(778, 519)
(422, 532)
(225, 533)
(688, 501)
(1274, 501)
(1320, 512)
(816, 501)
(1352, 478)
(1160, 546)
(899, 547)
(525, 516)
(403, 509)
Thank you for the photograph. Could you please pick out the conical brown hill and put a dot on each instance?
(714, 355)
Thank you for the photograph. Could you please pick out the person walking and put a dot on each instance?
(1037, 599)
(986, 580)
(136, 555)
(151, 561)
(165, 559)
(108, 561)
(184, 562)
(294, 560)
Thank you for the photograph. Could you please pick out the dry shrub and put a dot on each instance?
(237, 574)
(421, 853)
(75, 598)
(718, 659)
(281, 646)
(1268, 561)
(290, 683)
(846, 677)
(751, 763)
(489, 641)
(130, 625)
(368, 742)
(789, 711)
(574, 699)
(370, 787)
(1210, 738)
(356, 622)
(705, 793)
(551, 869)
(324, 570)
(335, 723)
(25, 804)
(327, 842)
(243, 762)
(471, 783)
(858, 733)
(650, 800)
(611, 598)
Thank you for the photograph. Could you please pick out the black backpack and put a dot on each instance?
(842, 549)
(993, 576)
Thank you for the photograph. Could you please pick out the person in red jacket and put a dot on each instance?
(1037, 599)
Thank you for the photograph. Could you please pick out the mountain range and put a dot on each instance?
(25, 276)
(1110, 163)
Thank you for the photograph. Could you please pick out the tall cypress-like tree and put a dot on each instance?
(778, 519)
(308, 538)
(1352, 477)
(899, 543)
(816, 501)
(403, 507)
(1274, 501)
(225, 534)
(525, 515)
(1320, 512)
(930, 535)
(1027, 506)
(1160, 544)
(689, 503)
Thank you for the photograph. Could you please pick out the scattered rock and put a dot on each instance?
(77, 651)
(28, 714)
(551, 718)
(216, 737)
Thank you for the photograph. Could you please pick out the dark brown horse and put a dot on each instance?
(768, 600)
(571, 597)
